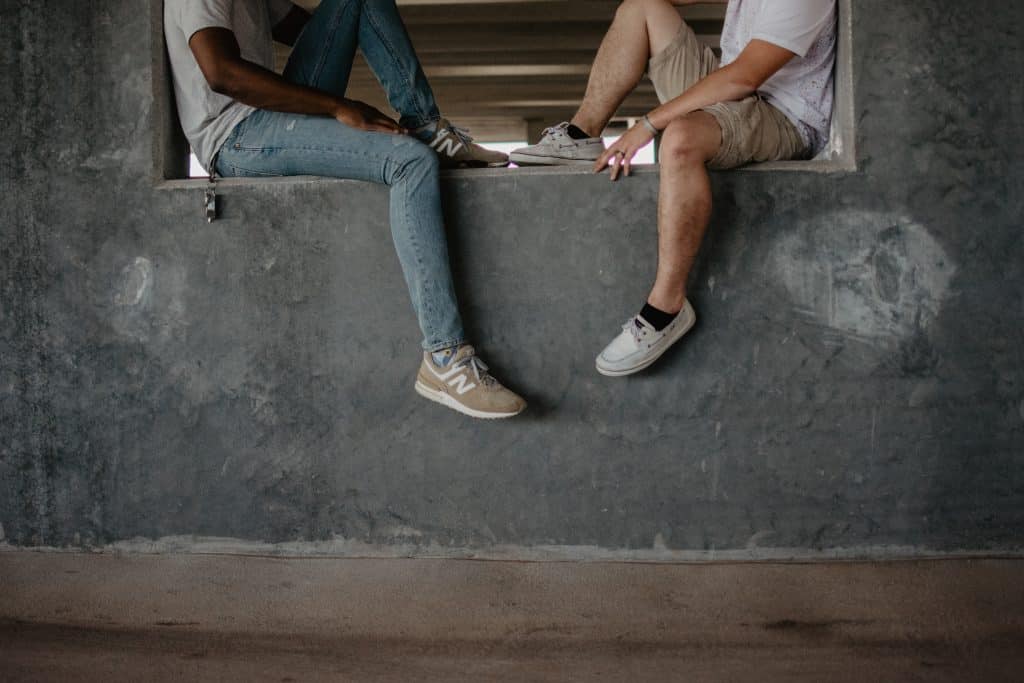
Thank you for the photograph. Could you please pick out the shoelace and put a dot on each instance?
(461, 133)
(634, 329)
(479, 369)
(555, 131)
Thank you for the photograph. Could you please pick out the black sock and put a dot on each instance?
(576, 133)
(656, 317)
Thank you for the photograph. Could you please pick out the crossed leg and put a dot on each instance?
(643, 28)
(323, 55)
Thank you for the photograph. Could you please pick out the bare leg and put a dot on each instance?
(684, 204)
(641, 28)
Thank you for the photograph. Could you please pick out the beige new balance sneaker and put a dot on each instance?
(457, 150)
(463, 384)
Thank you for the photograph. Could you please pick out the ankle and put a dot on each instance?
(586, 126)
(668, 303)
(656, 317)
(427, 130)
(443, 357)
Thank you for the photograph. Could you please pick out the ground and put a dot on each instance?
(102, 617)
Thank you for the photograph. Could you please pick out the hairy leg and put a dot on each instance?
(684, 204)
(641, 28)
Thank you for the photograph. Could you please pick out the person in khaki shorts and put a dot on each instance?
(769, 98)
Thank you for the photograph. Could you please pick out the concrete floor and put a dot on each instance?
(103, 617)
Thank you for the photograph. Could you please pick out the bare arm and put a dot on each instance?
(219, 57)
(698, 2)
(755, 65)
(735, 81)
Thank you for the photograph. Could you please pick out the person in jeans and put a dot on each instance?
(768, 98)
(242, 119)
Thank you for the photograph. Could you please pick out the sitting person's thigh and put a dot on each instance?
(278, 144)
(754, 131)
(676, 69)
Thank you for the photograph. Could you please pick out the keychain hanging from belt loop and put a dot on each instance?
(210, 203)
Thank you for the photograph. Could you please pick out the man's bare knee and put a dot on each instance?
(645, 6)
(687, 140)
(633, 11)
(661, 20)
(630, 6)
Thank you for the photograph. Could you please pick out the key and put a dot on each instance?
(211, 204)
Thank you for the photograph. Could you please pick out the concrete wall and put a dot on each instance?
(855, 383)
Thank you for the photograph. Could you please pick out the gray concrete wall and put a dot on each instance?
(855, 381)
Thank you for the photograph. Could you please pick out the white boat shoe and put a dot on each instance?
(558, 148)
(639, 344)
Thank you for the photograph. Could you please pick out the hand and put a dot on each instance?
(620, 154)
(361, 115)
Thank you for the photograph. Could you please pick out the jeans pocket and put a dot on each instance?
(237, 171)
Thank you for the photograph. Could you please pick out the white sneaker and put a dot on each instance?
(557, 148)
(639, 344)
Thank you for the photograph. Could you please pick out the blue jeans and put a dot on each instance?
(273, 144)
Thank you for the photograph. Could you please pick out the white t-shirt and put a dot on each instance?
(802, 89)
(208, 117)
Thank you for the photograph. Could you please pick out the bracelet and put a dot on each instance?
(650, 126)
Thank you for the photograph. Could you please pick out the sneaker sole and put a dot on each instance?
(530, 160)
(473, 164)
(449, 402)
(649, 361)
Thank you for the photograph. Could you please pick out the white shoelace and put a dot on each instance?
(636, 330)
(555, 132)
(478, 367)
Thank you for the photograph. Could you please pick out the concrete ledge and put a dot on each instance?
(346, 548)
(812, 166)
(207, 618)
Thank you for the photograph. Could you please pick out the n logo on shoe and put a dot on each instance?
(445, 144)
(461, 380)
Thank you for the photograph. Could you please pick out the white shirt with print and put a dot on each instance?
(803, 88)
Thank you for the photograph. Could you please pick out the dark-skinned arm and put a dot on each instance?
(288, 29)
(758, 62)
(219, 57)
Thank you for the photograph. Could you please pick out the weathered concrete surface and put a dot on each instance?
(99, 617)
(856, 379)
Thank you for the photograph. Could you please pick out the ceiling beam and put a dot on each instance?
(494, 66)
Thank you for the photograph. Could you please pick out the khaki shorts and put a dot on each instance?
(752, 129)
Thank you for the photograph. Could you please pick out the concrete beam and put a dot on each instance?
(476, 54)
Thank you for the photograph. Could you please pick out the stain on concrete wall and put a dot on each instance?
(875, 277)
